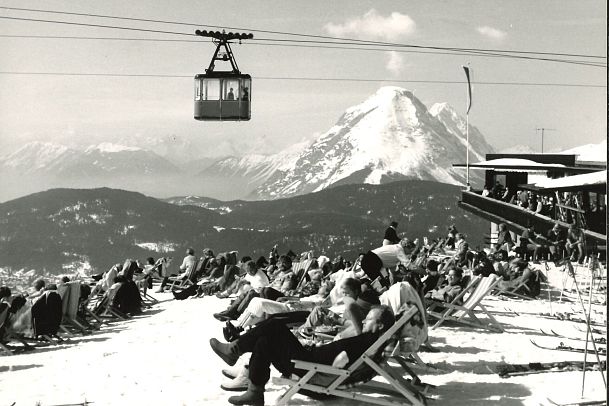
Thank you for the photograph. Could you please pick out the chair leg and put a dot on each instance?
(5, 348)
(285, 397)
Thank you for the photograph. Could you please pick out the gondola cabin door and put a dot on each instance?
(223, 95)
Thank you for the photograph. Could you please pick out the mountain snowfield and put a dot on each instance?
(389, 136)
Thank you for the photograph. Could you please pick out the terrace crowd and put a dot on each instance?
(291, 306)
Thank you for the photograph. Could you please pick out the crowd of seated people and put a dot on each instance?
(334, 299)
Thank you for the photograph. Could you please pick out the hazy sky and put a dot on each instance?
(90, 109)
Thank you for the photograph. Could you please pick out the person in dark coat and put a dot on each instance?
(271, 342)
(391, 235)
(47, 313)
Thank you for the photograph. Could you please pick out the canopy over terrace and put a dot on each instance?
(594, 182)
(522, 165)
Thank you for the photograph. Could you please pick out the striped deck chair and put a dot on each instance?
(465, 314)
(355, 382)
(300, 271)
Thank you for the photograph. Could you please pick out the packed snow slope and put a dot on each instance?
(163, 358)
(390, 136)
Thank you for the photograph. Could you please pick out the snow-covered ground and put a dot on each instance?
(163, 358)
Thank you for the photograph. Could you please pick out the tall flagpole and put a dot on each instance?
(469, 106)
(467, 154)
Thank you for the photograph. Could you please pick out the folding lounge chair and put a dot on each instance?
(87, 308)
(300, 271)
(4, 313)
(465, 314)
(70, 300)
(412, 336)
(186, 280)
(355, 382)
(104, 308)
(511, 291)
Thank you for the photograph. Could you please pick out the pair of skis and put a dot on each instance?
(599, 340)
(509, 370)
(563, 347)
(555, 316)
(578, 403)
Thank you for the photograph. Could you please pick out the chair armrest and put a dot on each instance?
(453, 306)
(311, 366)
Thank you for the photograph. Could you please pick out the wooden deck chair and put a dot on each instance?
(4, 313)
(7, 338)
(70, 299)
(300, 271)
(511, 291)
(187, 279)
(104, 307)
(465, 313)
(396, 297)
(522, 286)
(355, 382)
(87, 307)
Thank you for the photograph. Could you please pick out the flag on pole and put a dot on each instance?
(469, 87)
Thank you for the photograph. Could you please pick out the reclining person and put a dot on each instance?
(482, 265)
(356, 306)
(291, 311)
(519, 274)
(188, 262)
(282, 283)
(448, 292)
(271, 342)
(253, 278)
(127, 298)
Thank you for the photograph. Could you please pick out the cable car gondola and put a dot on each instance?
(223, 95)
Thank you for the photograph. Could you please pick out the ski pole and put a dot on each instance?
(589, 331)
(587, 335)
(549, 287)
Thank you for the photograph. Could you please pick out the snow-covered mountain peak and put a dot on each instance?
(590, 152)
(390, 135)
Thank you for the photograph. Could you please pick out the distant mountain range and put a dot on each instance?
(101, 160)
(63, 230)
(390, 136)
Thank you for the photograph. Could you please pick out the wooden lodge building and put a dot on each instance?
(572, 191)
